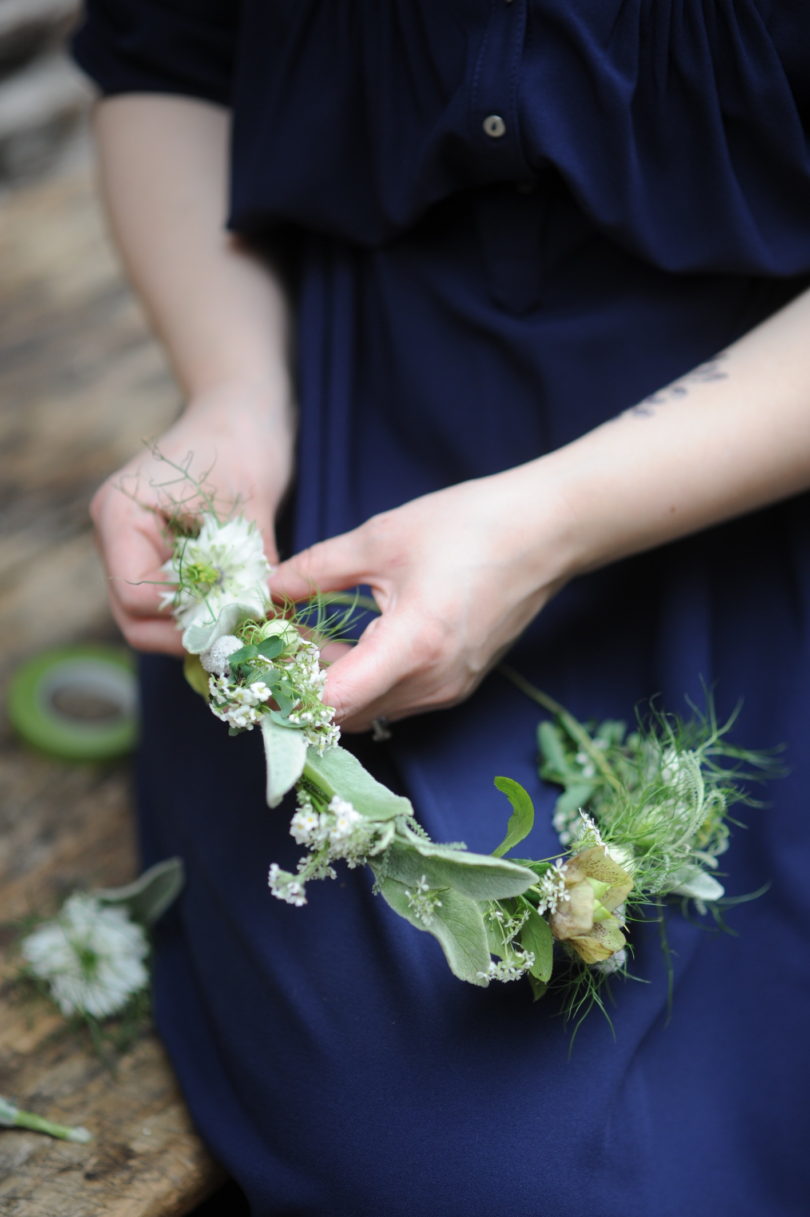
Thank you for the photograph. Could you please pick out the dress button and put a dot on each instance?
(494, 126)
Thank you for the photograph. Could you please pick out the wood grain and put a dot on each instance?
(81, 386)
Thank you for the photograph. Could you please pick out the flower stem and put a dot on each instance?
(574, 729)
(14, 1117)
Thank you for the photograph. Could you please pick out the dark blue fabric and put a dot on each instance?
(465, 303)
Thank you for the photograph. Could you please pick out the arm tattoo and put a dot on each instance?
(701, 375)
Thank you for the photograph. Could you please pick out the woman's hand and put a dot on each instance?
(227, 438)
(457, 575)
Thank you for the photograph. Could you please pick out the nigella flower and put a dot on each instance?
(222, 564)
(91, 956)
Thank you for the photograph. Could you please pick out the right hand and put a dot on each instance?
(229, 438)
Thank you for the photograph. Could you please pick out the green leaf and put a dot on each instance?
(148, 896)
(458, 926)
(538, 987)
(339, 772)
(522, 819)
(285, 750)
(242, 657)
(271, 647)
(574, 797)
(555, 763)
(535, 936)
(479, 876)
(196, 675)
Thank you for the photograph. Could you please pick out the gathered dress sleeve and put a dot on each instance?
(181, 47)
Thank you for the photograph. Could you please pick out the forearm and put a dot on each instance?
(214, 304)
(728, 438)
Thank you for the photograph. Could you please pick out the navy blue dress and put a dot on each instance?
(505, 222)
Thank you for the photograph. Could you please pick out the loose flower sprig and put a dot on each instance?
(12, 1116)
(644, 814)
(92, 958)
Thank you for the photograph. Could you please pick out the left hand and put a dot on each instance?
(457, 575)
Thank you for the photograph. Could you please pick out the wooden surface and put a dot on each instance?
(80, 387)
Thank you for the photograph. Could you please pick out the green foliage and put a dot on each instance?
(521, 820)
(457, 924)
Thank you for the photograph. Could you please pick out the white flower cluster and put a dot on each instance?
(337, 834)
(552, 889)
(91, 956)
(515, 965)
(340, 833)
(285, 886)
(313, 717)
(223, 563)
(423, 901)
(241, 706)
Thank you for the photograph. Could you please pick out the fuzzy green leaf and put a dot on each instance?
(555, 763)
(339, 772)
(148, 896)
(458, 926)
(536, 936)
(285, 750)
(522, 819)
(575, 797)
(478, 876)
(201, 637)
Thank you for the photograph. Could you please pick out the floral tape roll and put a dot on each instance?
(77, 703)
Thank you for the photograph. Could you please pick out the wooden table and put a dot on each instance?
(81, 385)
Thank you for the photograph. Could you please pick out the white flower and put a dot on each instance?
(517, 964)
(285, 886)
(305, 826)
(224, 563)
(91, 955)
(423, 901)
(345, 822)
(552, 889)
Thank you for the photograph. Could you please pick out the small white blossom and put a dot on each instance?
(305, 827)
(285, 886)
(345, 823)
(552, 889)
(91, 955)
(517, 965)
(423, 901)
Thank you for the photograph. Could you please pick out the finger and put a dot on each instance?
(327, 566)
(389, 671)
(153, 635)
(134, 569)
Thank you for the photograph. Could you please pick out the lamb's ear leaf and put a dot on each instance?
(457, 924)
(341, 773)
(148, 896)
(285, 751)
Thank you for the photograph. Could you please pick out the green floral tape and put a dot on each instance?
(77, 703)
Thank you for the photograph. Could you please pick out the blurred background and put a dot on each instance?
(82, 385)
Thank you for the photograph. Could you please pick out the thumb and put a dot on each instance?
(361, 682)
